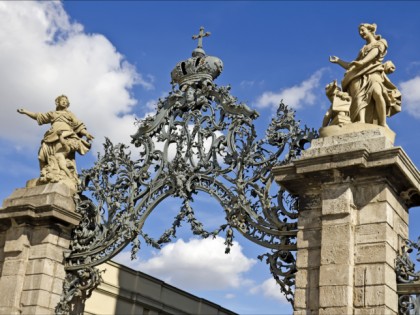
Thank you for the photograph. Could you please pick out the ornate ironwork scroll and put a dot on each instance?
(408, 287)
(200, 139)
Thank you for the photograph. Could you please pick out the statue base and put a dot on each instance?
(337, 130)
(35, 232)
(71, 184)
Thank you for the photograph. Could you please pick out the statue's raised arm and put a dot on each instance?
(373, 95)
(66, 136)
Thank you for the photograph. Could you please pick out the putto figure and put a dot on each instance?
(60, 143)
(373, 95)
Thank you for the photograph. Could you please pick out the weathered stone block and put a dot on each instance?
(58, 194)
(49, 251)
(16, 240)
(337, 254)
(44, 235)
(307, 278)
(54, 299)
(12, 311)
(41, 266)
(307, 299)
(378, 191)
(309, 238)
(400, 227)
(10, 285)
(382, 310)
(36, 298)
(57, 286)
(341, 234)
(336, 310)
(378, 295)
(314, 299)
(309, 219)
(375, 253)
(64, 240)
(382, 295)
(396, 203)
(31, 310)
(13, 267)
(375, 274)
(2, 239)
(60, 273)
(38, 282)
(308, 258)
(376, 212)
(337, 199)
(301, 300)
(341, 275)
(335, 296)
(310, 202)
(376, 233)
(372, 140)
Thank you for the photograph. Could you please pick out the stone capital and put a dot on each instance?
(328, 162)
(40, 205)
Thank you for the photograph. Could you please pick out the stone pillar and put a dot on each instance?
(35, 228)
(355, 190)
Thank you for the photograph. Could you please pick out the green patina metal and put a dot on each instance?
(200, 139)
(408, 279)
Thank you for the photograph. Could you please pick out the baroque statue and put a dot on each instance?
(60, 143)
(373, 95)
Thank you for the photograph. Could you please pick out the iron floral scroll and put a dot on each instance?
(200, 139)
(408, 284)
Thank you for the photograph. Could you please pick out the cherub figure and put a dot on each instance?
(373, 95)
(60, 143)
(338, 113)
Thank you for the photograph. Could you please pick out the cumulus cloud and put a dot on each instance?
(411, 96)
(296, 96)
(198, 264)
(45, 54)
(270, 289)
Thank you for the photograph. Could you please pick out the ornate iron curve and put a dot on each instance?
(408, 287)
(200, 139)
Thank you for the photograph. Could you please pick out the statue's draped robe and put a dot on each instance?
(66, 122)
(359, 82)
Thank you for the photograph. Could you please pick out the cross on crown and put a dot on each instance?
(200, 37)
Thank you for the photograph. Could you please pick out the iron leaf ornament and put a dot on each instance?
(405, 269)
(200, 139)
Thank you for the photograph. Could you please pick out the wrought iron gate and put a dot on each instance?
(408, 280)
(200, 139)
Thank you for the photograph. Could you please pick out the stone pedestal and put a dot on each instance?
(355, 190)
(35, 227)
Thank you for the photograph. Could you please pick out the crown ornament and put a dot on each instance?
(199, 67)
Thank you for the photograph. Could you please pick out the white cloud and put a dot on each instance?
(270, 289)
(411, 96)
(230, 296)
(198, 264)
(296, 96)
(45, 54)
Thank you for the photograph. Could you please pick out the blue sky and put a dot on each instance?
(113, 59)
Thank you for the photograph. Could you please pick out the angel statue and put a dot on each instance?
(60, 143)
(373, 95)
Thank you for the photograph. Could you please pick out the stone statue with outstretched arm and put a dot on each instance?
(66, 136)
(373, 95)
